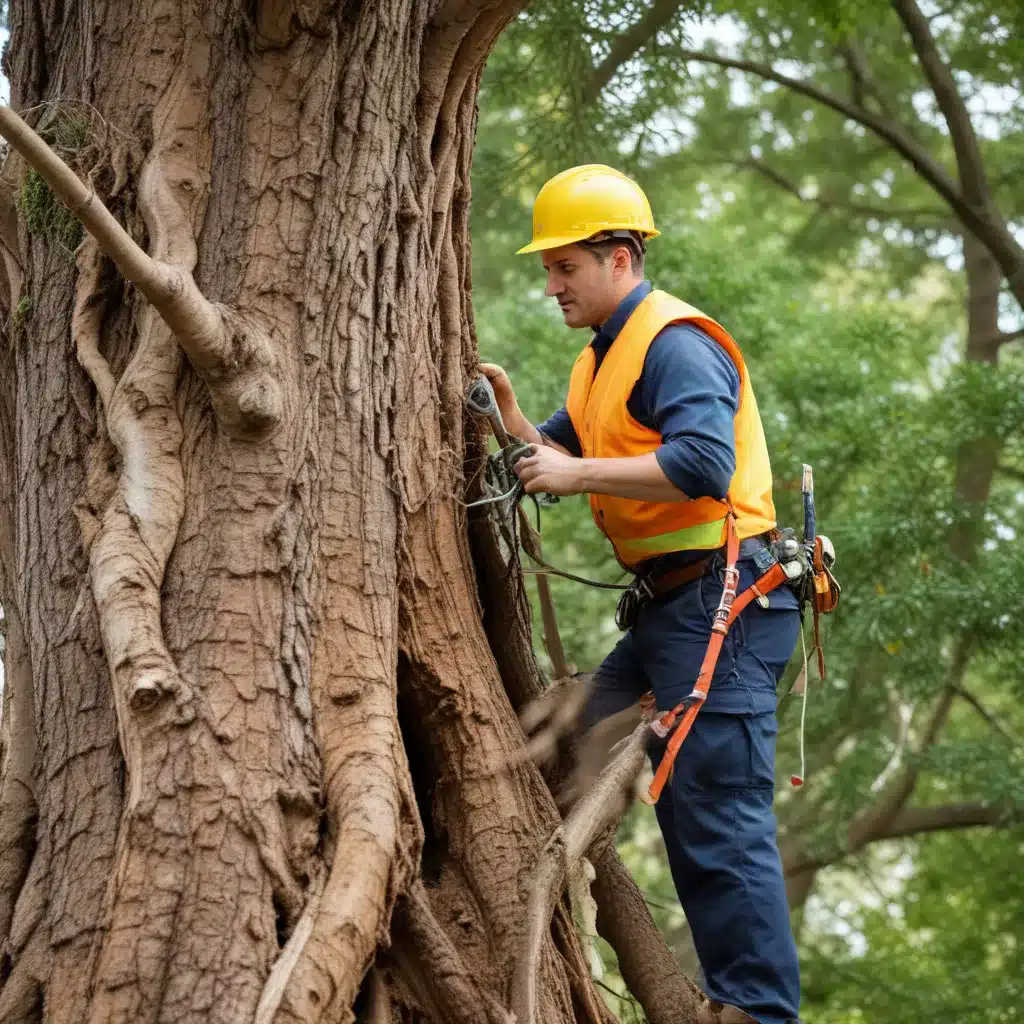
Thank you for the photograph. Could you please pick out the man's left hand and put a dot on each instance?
(550, 471)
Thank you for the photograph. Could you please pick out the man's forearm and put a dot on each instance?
(519, 426)
(639, 477)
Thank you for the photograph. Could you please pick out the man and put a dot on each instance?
(661, 429)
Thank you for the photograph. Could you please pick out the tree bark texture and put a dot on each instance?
(257, 738)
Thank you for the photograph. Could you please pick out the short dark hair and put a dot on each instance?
(605, 243)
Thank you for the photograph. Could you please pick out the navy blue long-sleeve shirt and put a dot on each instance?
(688, 391)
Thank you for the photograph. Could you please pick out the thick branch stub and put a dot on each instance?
(598, 811)
(233, 356)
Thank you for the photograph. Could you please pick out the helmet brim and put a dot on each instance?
(557, 241)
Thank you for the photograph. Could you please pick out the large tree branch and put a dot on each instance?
(826, 202)
(983, 220)
(628, 44)
(992, 720)
(914, 821)
(970, 164)
(646, 963)
(233, 357)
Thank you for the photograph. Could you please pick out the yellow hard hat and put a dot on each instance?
(585, 200)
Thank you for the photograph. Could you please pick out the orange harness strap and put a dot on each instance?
(729, 607)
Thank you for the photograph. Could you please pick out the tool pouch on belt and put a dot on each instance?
(824, 587)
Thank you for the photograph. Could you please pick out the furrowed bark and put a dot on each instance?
(432, 968)
(261, 538)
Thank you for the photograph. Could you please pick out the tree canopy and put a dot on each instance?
(846, 275)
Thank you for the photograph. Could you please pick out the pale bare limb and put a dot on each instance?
(370, 807)
(595, 813)
(233, 357)
(18, 808)
(130, 552)
(273, 989)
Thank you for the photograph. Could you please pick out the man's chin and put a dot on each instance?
(572, 317)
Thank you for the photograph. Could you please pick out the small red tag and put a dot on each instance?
(795, 780)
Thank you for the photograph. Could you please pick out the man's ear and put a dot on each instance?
(622, 261)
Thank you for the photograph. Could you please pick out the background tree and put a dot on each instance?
(883, 339)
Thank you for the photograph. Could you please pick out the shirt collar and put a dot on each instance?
(609, 330)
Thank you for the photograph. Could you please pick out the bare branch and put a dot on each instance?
(151, 279)
(628, 44)
(370, 811)
(990, 718)
(983, 220)
(598, 810)
(18, 807)
(970, 164)
(128, 556)
(776, 177)
(915, 821)
(232, 356)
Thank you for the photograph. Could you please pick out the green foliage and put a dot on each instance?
(45, 215)
(23, 312)
(837, 269)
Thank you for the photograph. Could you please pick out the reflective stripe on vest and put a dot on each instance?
(597, 406)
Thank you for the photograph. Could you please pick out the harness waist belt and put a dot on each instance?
(674, 578)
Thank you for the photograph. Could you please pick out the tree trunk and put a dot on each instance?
(272, 743)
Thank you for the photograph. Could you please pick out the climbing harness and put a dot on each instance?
(807, 568)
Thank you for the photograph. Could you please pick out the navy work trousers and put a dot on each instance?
(716, 813)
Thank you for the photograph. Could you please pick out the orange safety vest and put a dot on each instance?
(597, 406)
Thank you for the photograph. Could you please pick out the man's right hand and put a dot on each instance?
(515, 422)
(503, 393)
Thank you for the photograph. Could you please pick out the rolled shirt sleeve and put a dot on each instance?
(689, 393)
(558, 428)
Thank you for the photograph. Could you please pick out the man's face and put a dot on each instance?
(582, 285)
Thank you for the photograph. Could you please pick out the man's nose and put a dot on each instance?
(554, 286)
